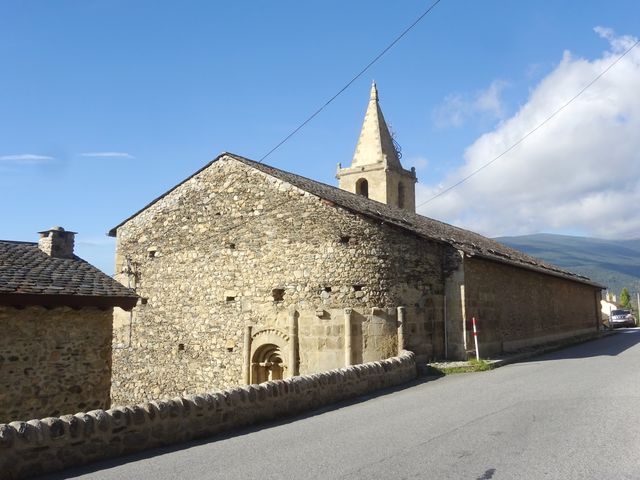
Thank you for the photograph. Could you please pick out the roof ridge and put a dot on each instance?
(355, 195)
(19, 242)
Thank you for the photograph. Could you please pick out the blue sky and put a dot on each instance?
(107, 104)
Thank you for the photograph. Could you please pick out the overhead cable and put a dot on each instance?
(348, 84)
(536, 128)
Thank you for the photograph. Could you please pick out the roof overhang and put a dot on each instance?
(73, 301)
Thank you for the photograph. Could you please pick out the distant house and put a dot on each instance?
(607, 306)
(56, 321)
(249, 273)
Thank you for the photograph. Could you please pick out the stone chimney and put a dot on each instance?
(56, 242)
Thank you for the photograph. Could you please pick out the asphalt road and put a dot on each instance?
(573, 414)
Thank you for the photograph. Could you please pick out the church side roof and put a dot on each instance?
(28, 276)
(472, 244)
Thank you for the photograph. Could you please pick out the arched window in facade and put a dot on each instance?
(362, 187)
(400, 195)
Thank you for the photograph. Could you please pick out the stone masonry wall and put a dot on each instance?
(53, 361)
(40, 446)
(516, 308)
(418, 270)
(233, 246)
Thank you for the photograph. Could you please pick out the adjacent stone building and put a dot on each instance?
(56, 315)
(248, 273)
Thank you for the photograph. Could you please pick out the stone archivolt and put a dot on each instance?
(270, 334)
(269, 349)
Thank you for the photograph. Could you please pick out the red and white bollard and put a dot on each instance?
(475, 337)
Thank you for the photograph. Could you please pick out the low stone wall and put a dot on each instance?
(54, 443)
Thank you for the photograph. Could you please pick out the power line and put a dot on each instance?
(528, 134)
(348, 84)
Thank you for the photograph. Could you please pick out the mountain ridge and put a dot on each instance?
(613, 263)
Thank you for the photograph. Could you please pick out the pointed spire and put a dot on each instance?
(375, 144)
(374, 92)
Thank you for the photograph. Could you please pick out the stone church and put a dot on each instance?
(248, 273)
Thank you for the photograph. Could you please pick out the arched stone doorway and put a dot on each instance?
(270, 358)
(267, 364)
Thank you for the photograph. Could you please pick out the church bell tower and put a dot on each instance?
(375, 170)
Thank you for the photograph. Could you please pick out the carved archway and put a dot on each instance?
(269, 351)
(267, 364)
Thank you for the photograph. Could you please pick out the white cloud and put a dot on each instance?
(107, 155)
(26, 158)
(579, 172)
(457, 108)
(606, 33)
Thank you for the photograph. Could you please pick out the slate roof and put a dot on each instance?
(472, 244)
(29, 276)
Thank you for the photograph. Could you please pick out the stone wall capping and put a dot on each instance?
(138, 415)
(263, 393)
(100, 420)
(153, 410)
(22, 431)
(8, 435)
(252, 393)
(184, 407)
(87, 422)
(36, 431)
(200, 401)
(72, 426)
(207, 401)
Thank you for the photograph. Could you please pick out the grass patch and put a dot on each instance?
(472, 365)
